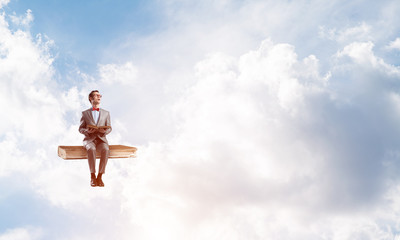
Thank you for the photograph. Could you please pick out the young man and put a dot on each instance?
(96, 138)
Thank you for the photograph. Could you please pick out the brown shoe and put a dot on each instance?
(100, 182)
(93, 182)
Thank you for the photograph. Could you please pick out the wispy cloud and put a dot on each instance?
(21, 234)
(3, 3)
(114, 74)
(24, 21)
(395, 44)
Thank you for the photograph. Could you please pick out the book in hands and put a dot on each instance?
(98, 127)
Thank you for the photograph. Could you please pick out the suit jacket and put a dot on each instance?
(87, 119)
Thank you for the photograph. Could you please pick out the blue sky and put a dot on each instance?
(254, 119)
(81, 30)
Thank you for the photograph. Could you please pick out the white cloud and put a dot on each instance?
(362, 54)
(21, 234)
(394, 44)
(265, 140)
(362, 32)
(23, 20)
(123, 74)
(26, 92)
(3, 3)
(29, 98)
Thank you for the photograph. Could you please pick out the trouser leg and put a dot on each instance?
(105, 151)
(91, 152)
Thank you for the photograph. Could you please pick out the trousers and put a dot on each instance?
(103, 148)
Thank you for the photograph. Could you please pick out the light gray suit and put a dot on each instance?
(96, 140)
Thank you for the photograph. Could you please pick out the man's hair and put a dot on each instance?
(91, 94)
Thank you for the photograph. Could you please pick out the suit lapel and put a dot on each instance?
(90, 116)
(100, 113)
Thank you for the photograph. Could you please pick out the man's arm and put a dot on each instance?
(108, 123)
(83, 128)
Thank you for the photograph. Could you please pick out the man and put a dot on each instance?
(96, 138)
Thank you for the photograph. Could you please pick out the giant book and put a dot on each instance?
(79, 152)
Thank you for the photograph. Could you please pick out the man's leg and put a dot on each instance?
(105, 151)
(91, 152)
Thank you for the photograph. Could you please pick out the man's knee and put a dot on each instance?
(105, 148)
(90, 148)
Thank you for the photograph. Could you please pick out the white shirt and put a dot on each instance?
(95, 115)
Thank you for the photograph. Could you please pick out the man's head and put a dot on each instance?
(94, 97)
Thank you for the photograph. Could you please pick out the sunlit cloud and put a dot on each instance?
(395, 44)
(21, 234)
(113, 74)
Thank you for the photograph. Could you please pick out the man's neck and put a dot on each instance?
(96, 105)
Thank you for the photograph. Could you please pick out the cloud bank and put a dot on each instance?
(269, 147)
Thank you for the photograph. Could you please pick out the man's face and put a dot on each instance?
(96, 98)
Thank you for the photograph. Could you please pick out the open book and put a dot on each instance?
(98, 127)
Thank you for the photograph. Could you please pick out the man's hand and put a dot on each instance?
(91, 130)
(102, 130)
